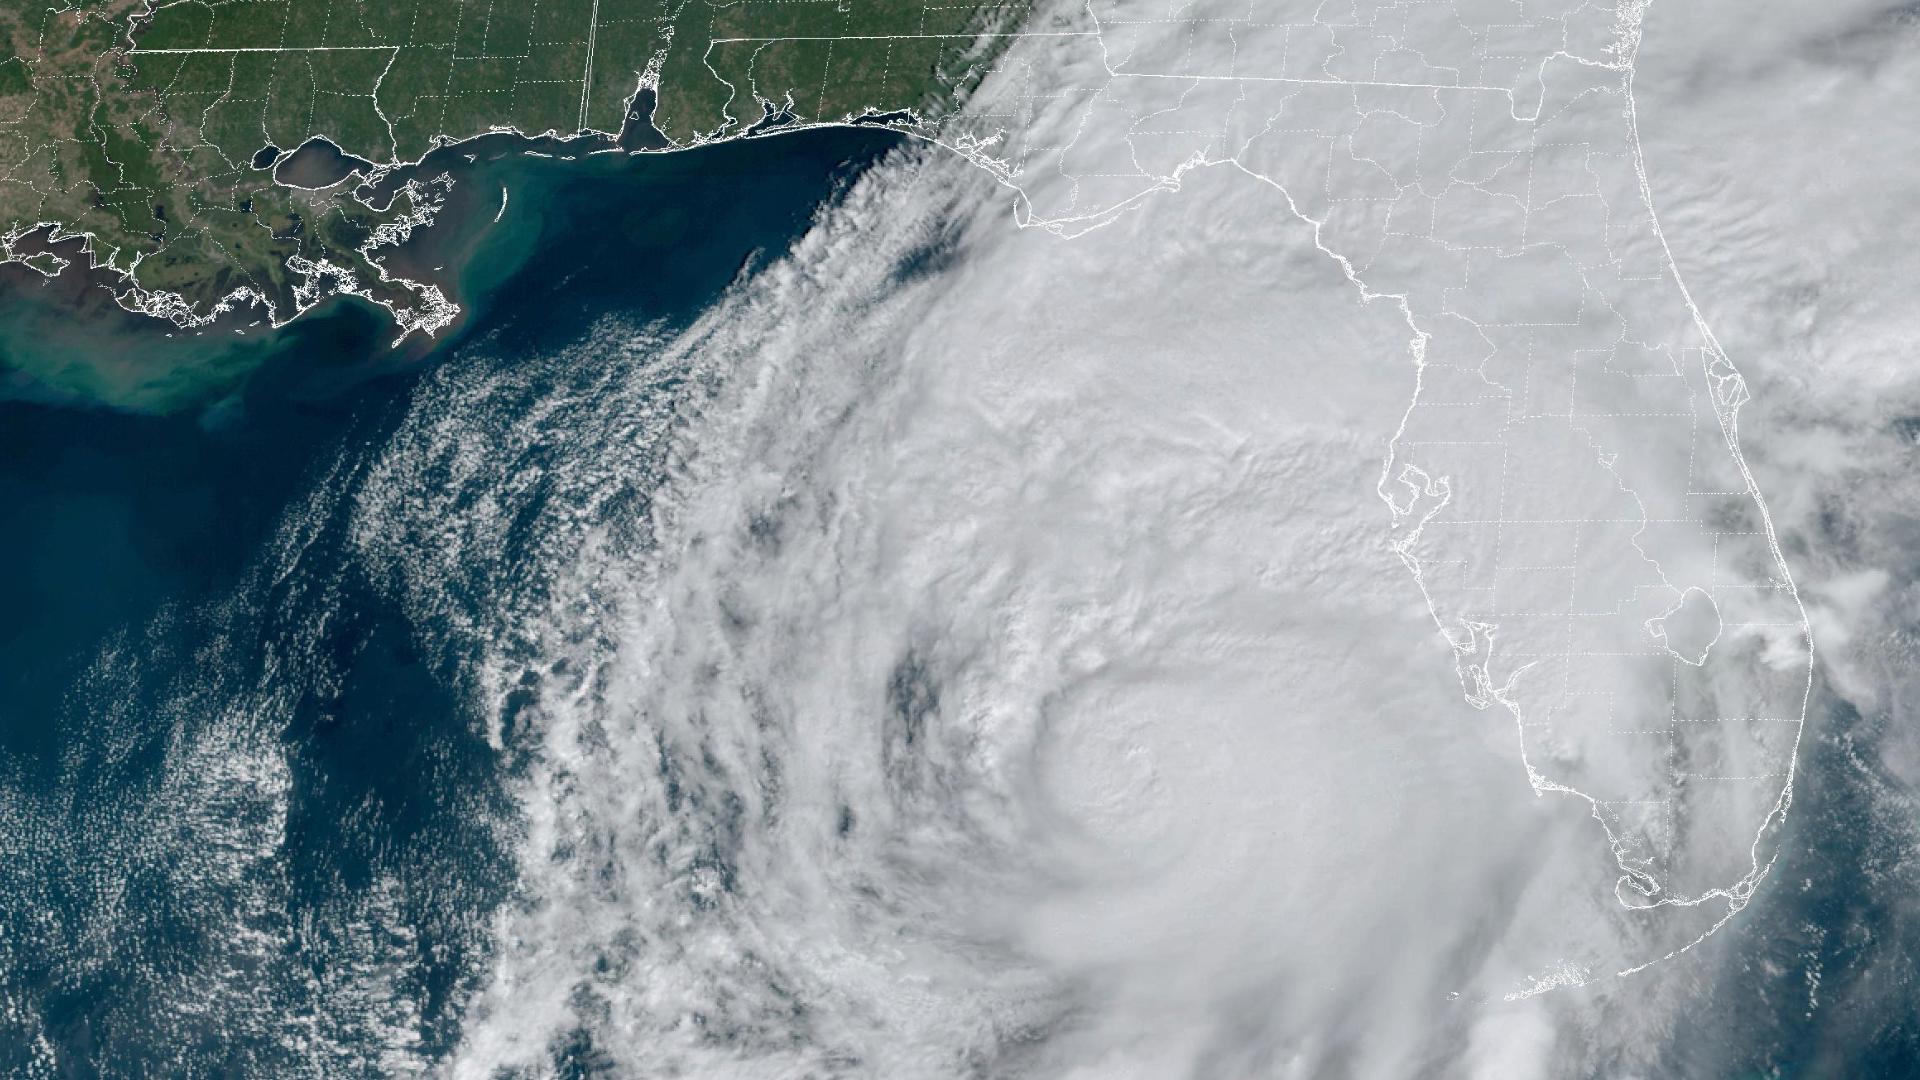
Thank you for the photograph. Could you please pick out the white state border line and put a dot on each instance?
(137, 51)
(275, 49)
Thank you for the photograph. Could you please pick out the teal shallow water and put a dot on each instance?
(250, 825)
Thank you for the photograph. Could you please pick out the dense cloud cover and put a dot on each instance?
(1012, 673)
(975, 650)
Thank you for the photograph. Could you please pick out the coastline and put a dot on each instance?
(72, 333)
(146, 466)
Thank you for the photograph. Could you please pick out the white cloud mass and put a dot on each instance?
(973, 652)
(1022, 684)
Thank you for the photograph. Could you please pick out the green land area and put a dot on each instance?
(143, 127)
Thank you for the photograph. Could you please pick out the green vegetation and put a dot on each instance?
(137, 123)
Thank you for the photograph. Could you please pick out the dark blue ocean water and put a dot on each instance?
(250, 822)
(235, 789)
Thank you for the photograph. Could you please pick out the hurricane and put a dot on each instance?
(1245, 550)
(905, 682)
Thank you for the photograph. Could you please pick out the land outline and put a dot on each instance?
(400, 192)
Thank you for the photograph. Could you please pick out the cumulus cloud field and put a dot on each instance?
(1295, 587)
